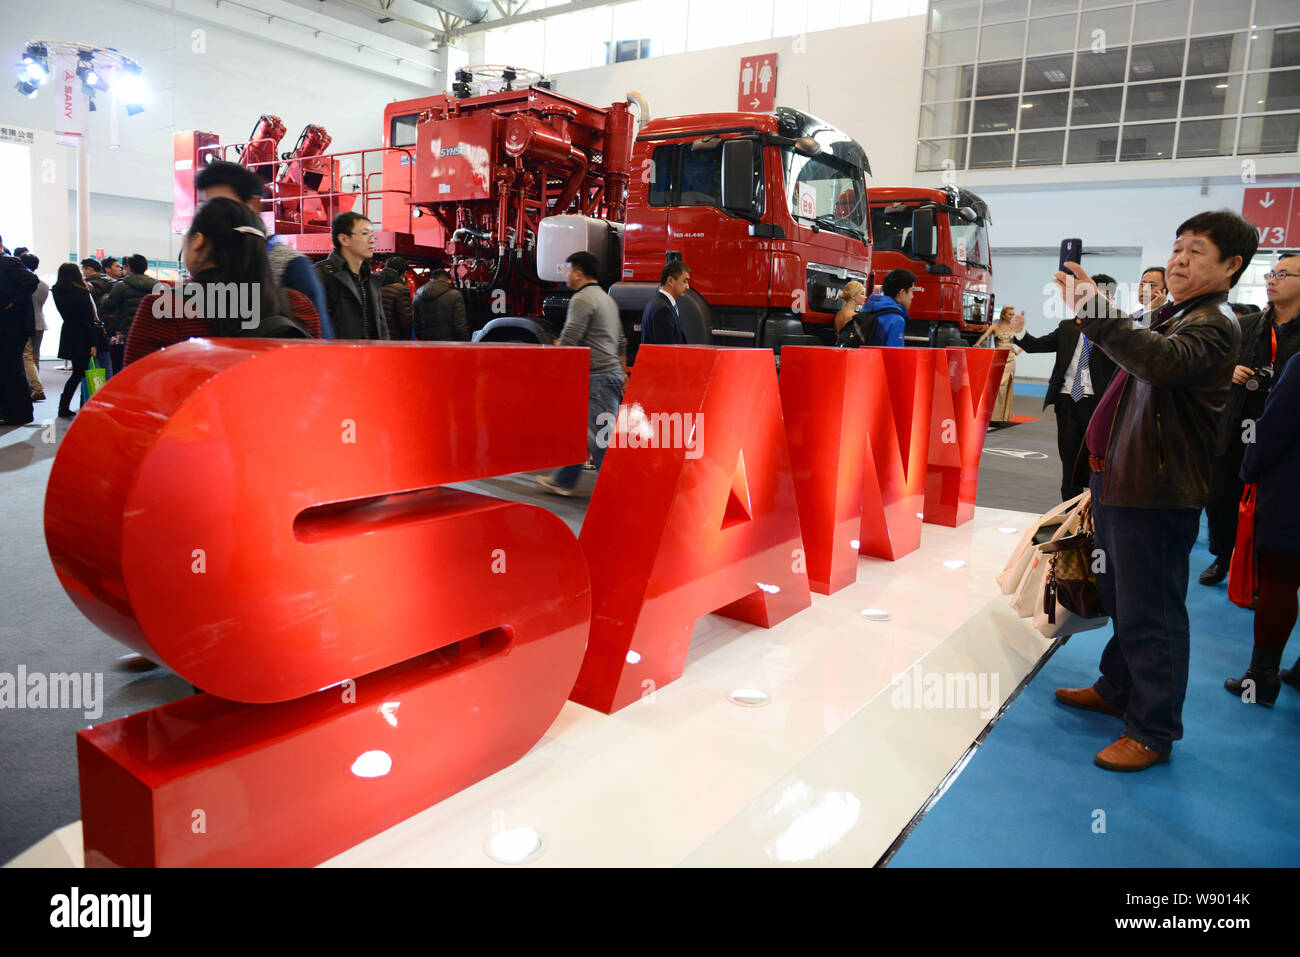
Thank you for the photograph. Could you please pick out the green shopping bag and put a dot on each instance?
(95, 378)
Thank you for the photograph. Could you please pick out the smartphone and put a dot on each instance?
(1071, 252)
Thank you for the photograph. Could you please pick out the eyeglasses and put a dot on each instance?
(363, 233)
(1270, 276)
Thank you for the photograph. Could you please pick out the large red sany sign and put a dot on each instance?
(277, 530)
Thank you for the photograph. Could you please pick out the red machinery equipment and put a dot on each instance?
(460, 182)
(259, 154)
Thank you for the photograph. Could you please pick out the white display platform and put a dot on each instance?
(829, 771)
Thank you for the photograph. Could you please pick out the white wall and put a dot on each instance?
(242, 68)
(864, 79)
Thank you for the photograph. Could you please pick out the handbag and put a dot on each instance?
(1042, 530)
(1243, 572)
(1027, 599)
(1071, 581)
(93, 380)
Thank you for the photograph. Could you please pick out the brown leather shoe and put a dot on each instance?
(1128, 755)
(1088, 700)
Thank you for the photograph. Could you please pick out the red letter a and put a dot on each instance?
(673, 533)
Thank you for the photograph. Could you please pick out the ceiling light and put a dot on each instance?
(27, 88)
(1026, 106)
(1220, 86)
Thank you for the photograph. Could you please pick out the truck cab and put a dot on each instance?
(768, 209)
(941, 235)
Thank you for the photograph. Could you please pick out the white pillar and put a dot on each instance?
(83, 196)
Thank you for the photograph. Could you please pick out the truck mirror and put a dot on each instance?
(968, 214)
(923, 232)
(738, 178)
(807, 146)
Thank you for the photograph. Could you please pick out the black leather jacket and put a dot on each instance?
(1163, 434)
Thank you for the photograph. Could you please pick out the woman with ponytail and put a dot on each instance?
(231, 288)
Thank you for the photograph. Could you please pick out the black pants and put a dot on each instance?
(73, 385)
(1143, 586)
(1277, 608)
(1225, 495)
(117, 353)
(15, 393)
(1072, 420)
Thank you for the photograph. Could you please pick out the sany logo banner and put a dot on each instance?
(69, 102)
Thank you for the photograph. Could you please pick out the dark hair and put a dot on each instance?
(441, 274)
(1231, 235)
(241, 179)
(18, 253)
(29, 260)
(1243, 308)
(109, 261)
(586, 263)
(673, 270)
(137, 264)
(1159, 269)
(397, 264)
(237, 254)
(69, 276)
(897, 281)
(1101, 280)
(342, 226)
(92, 264)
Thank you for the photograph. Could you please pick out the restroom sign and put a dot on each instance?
(757, 91)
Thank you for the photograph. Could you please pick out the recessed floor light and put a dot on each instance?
(1008, 530)
(954, 563)
(748, 697)
(518, 845)
(874, 614)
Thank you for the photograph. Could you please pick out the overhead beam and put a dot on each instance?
(530, 16)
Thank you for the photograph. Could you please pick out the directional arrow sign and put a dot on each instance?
(1268, 210)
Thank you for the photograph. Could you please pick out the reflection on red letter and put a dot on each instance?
(824, 398)
(965, 390)
(900, 399)
(675, 533)
(270, 523)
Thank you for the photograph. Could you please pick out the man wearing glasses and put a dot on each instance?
(1267, 342)
(353, 296)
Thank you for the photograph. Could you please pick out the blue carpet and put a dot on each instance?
(1229, 797)
(1038, 389)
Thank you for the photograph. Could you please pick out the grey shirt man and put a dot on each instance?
(593, 322)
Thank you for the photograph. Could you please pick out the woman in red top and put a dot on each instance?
(231, 285)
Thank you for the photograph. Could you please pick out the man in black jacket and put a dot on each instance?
(439, 311)
(661, 323)
(121, 304)
(17, 324)
(1150, 444)
(1079, 377)
(353, 296)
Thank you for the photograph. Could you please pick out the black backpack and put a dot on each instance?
(858, 331)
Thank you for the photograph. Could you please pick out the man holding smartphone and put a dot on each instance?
(1080, 375)
(1150, 446)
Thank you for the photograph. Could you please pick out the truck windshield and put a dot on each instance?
(971, 239)
(891, 232)
(827, 190)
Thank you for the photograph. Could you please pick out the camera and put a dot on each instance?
(1262, 379)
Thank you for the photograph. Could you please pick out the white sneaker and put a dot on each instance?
(546, 482)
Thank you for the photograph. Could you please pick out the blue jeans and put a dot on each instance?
(604, 396)
(1144, 590)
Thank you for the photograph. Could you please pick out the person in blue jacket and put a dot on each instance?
(889, 306)
(1273, 462)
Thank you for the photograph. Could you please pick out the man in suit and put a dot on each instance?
(661, 323)
(1079, 377)
(1151, 293)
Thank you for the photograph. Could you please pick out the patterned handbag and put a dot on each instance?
(1070, 578)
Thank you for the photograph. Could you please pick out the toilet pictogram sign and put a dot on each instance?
(757, 90)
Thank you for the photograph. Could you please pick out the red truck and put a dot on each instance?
(941, 235)
(770, 210)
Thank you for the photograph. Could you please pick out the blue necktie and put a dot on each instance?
(1076, 390)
